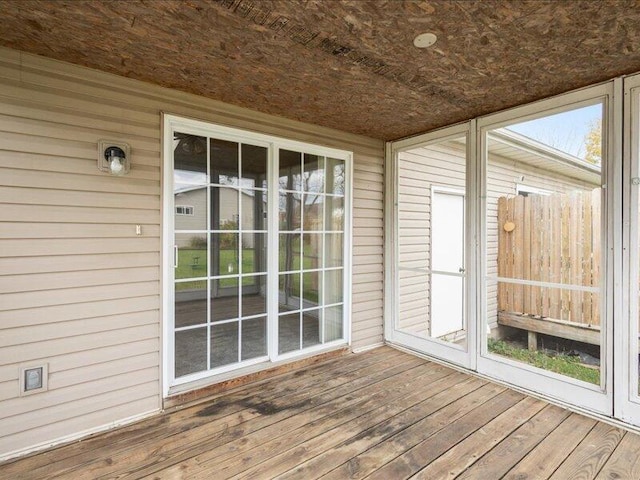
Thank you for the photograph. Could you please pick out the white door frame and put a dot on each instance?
(597, 398)
(449, 352)
(627, 400)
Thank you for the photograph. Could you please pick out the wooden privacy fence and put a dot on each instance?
(550, 238)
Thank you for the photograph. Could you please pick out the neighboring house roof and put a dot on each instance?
(193, 188)
(188, 188)
(521, 148)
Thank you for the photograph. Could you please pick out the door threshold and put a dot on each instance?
(202, 390)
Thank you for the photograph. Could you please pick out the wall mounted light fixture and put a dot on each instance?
(114, 157)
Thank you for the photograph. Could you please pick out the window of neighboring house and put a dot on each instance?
(184, 210)
(526, 190)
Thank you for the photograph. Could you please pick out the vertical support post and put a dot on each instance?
(533, 341)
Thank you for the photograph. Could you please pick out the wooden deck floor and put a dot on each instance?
(382, 414)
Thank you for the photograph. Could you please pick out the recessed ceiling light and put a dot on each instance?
(425, 40)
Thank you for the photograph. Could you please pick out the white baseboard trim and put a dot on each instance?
(76, 436)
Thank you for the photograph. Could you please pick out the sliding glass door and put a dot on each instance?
(257, 248)
(220, 285)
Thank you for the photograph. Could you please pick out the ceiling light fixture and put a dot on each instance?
(425, 40)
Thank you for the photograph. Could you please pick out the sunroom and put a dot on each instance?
(302, 239)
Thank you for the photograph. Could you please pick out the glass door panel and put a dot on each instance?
(311, 250)
(432, 215)
(431, 240)
(545, 264)
(545, 315)
(220, 228)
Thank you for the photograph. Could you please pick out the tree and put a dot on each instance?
(593, 143)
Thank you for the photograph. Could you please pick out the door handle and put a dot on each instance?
(461, 270)
(175, 256)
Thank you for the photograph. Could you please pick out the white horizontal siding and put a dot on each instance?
(418, 171)
(75, 279)
(78, 289)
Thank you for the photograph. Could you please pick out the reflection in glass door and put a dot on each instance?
(311, 244)
(220, 198)
(544, 263)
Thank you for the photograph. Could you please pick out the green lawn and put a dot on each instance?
(560, 363)
(308, 262)
(192, 263)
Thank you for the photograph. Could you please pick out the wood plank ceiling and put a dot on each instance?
(349, 65)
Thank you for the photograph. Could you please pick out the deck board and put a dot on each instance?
(591, 454)
(380, 414)
(497, 461)
(547, 456)
(623, 462)
(337, 446)
(367, 462)
(289, 427)
(274, 443)
(452, 463)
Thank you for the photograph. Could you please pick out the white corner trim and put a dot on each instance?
(366, 348)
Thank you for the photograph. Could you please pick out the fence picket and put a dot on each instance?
(595, 237)
(586, 266)
(576, 255)
(534, 251)
(518, 257)
(555, 251)
(527, 240)
(545, 260)
(503, 298)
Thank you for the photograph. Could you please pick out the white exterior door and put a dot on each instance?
(447, 272)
